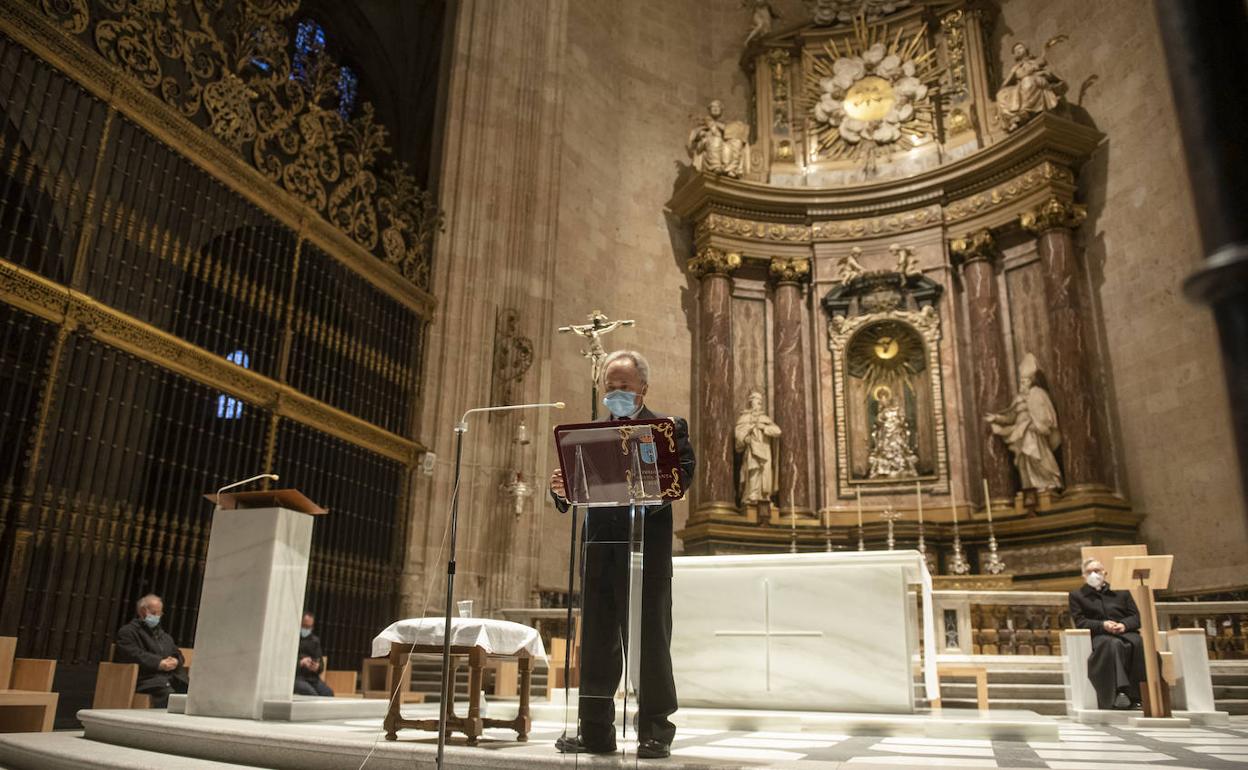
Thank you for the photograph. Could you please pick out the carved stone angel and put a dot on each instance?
(764, 13)
(907, 265)
(848, 267)
(1029, 89)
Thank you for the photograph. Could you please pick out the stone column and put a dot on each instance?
(716, 494)
(787, 277)
(1070, 371)
(990, 369)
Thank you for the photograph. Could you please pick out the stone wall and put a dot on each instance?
(1168, 416)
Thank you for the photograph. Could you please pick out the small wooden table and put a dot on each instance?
(473, 724)
(957, 669)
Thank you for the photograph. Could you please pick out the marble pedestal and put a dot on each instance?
(829, 632)
(247, 639)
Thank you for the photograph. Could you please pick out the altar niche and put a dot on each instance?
(884, 334)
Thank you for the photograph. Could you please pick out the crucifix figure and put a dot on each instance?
(598, 325)
(767, 633)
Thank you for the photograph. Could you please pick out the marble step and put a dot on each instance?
(1229, 692)
(1233, 705)
(69, 750)
(1229, 679)
(1004, 692)
(1047, 707)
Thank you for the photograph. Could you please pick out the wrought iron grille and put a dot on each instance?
(156, 325)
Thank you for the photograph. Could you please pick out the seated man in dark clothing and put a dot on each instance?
(142, 641)
(308, 673)
(1116, 666)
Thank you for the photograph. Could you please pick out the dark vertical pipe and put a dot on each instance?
(1206, 47)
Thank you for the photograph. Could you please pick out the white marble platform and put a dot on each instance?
(307, 708)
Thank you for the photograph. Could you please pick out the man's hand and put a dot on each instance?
(1114, 627)
(306, 662)
(168, 664)
(556, 484)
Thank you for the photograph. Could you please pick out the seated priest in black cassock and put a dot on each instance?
(1116, 666)
(161, 667)
(311, 659)
(604, 590)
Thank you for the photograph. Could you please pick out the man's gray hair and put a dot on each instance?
(639, 361)
(141, 604)
(1093, 560)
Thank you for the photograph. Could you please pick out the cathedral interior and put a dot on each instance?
(921, 274)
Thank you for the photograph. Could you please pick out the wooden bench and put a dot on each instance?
(473, 723)
(965, 669)
(377, 681)
(27, 703)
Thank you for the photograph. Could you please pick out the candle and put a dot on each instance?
(953, 497)
(918, 495)
(988, 501)
(859, 509)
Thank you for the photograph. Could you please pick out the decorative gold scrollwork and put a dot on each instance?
(227, 66)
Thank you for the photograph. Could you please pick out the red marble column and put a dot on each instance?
(788, 275)
(990, 371)
(1069, 373)
(716, 490)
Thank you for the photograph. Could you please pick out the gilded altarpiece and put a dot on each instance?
(904, 233)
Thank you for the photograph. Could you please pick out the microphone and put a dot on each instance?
(462, 425)
(270, 476)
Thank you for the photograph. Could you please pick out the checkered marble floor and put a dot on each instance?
(1078, 746)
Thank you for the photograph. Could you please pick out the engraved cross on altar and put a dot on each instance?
(767, 633)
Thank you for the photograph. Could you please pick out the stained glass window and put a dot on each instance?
(309, 44)
(347, 83)
(231, 408)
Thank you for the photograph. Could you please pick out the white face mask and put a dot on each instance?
(1095, 579)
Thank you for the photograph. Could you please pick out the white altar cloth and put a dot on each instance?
(829, 631)
(496, 637)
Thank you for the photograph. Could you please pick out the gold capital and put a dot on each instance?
(712, 261)
(790, 270)
(1053, 214)
(974, 246)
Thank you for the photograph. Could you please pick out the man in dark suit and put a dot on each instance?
(1116, 666)
(311, 656)
(161, 667)
(626, 376)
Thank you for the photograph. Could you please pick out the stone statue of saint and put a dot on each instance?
(1029, 89)
(754, 434)
(716, 146)
(1029, 428)
(763, 16)
(891, 456)
(848, 267)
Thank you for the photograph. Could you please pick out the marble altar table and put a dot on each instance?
(815, 631)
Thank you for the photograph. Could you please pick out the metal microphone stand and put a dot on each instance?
(443, 699)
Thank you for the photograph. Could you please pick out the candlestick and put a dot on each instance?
(918, 496)
(793, 531)
(891, 516)
(827, 532)
(993, 564)
(957, 563)
(861, 544)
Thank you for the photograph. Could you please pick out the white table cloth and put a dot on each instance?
(496, 637)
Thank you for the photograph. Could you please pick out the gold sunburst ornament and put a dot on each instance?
(870, 91)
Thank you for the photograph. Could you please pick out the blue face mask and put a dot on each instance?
(622, 403)
(305, 632)
(151, 620)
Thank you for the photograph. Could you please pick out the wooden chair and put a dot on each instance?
(558, 653)
(341, 682)
(27, 703)
(377, 680)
